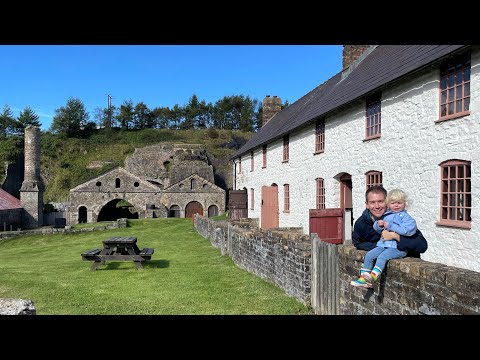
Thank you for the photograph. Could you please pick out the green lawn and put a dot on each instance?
(185, 276)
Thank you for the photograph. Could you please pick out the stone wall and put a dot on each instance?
(282, 257)
(408, 286)
(120, 223)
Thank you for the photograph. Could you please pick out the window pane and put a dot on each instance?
(458, 77)
(467, 171)
(468, 215)
(460, 198)
(452, 213)
(444, 97)
(460, 214)
(451, 94)
(450, 80)
(443, 110)
(452, 185)
(468, 201)
(444, 213)
(458, 107)
(461, 171)
(466, 74)
(466, 104)
(450, 108)
(452, 200)
(466, 89)
(445, 173)
(444, 186)
(453, 172)
(468, 186)
(459, 92)
(443, 83)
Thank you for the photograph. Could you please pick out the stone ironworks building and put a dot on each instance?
(157, 181)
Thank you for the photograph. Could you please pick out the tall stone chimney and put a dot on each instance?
(352, 53)
(31, 192)
(271, 106)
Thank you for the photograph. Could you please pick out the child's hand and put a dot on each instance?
(388, 235)
(381, 223)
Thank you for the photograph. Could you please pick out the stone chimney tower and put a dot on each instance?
(352, 53)
(31, 192)
(271, 106)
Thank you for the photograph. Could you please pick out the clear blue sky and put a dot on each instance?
(43, 77)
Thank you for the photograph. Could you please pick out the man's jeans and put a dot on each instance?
(382, 255)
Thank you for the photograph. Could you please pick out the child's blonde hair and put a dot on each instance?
(397, 195)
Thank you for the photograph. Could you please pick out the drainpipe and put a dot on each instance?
(234, 175)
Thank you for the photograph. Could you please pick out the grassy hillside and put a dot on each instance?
(64, 161)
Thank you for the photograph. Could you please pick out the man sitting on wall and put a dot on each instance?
(365, 237)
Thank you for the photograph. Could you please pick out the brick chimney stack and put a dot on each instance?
(352, 53)
(271, 106)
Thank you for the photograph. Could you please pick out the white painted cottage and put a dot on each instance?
(405, 116)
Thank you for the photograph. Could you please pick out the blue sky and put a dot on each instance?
(45, 76)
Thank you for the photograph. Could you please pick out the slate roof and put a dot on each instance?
(8, 201)
(382, 66)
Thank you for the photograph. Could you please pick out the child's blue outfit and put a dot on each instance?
(401, 223)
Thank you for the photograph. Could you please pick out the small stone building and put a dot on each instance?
(157, 181)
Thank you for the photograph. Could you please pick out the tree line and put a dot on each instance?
(236, 112)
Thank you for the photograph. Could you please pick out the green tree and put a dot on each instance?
(125, 115)
(176, 116)
(142, 118)
(71, 119)
(7, 122)
(26, 117)
(106, 118)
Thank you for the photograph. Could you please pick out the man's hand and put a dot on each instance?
(390, 235)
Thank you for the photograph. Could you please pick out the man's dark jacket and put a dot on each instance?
(364, 237)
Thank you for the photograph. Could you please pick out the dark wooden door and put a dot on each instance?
(192, 208)
(269, 207)
(238, 204)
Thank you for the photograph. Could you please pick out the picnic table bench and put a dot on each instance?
(118, 248)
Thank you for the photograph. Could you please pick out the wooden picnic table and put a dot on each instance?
(118, 248)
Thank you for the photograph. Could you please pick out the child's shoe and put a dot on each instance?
(368, 278)
(360, 282)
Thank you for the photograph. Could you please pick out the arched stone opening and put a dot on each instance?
(212, 210)
(82, 214)
(117, 209)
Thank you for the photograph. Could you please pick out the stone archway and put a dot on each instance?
(116, 209)
(192, 208)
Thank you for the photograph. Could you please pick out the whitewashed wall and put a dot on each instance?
(408, 154)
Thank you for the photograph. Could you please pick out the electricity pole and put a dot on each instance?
(109, 124)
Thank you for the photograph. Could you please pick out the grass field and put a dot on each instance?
(185, 276)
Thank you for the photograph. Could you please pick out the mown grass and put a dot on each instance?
(185, 276)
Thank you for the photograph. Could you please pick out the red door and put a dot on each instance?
(346, 191)
(269, 207)
(328, 224)
(192, 208)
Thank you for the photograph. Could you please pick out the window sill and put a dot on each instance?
(454, 116)
(286, 211)
(456, 224)
(284, 161)
(372, 138)
(318, 152)
(264, 167)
